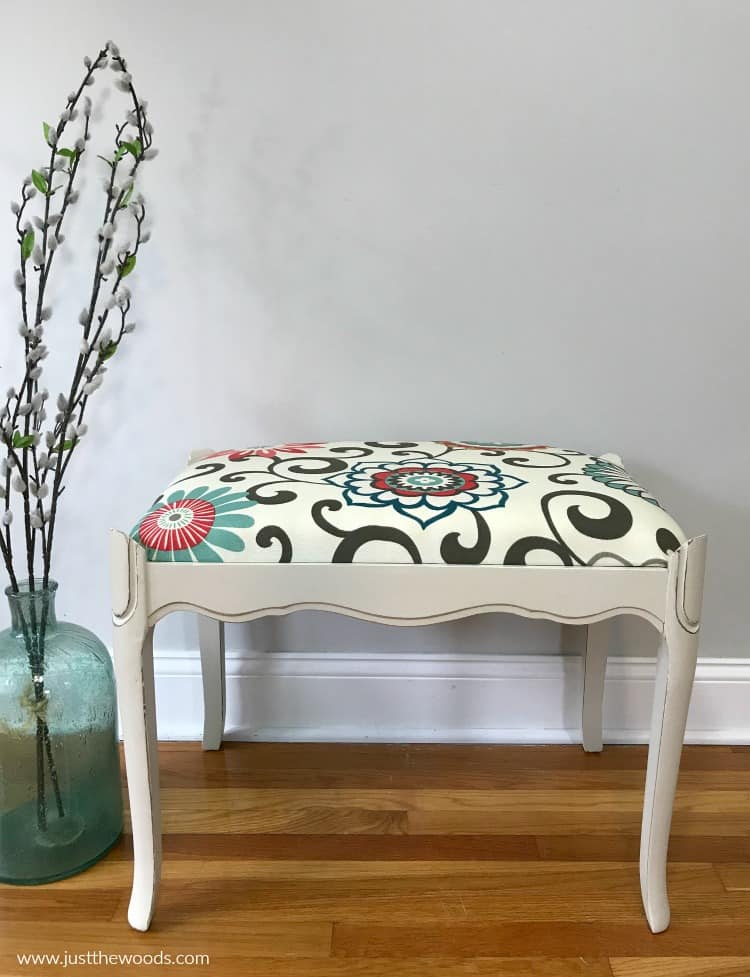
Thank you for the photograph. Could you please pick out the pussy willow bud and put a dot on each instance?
(37, 255)
(7, 517)
(15, 208)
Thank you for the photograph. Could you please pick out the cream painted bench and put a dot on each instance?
(406, 533)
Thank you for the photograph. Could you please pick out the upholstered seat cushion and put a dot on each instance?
(408, 502)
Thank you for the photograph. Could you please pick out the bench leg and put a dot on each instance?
(594, 671)
(211, 641)
(675, 670)
(592, 643)
(134, 666)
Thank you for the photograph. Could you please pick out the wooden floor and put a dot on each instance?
(427, 861)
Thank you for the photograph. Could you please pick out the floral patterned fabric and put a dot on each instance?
(408, 502)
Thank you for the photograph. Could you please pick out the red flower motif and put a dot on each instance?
(178, 525)
(435, 480)
(293, 448)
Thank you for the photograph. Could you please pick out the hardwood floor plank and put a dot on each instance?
(680, 967)
(347, 810)
(397, 893)
(625, 847)
(421, 766)
(61, 899)
(349, 847)
(550, 939)
(735, 877)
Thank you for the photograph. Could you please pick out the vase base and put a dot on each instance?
(57, 854)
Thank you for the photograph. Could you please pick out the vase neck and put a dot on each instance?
(31, 609)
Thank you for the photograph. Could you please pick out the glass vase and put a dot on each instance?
(60, 790)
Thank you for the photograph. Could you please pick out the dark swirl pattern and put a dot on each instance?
(444, 502)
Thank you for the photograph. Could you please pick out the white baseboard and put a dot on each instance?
(440, 698)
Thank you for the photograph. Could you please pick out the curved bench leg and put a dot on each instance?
(211, 642)
(134, 669)
(675, 670)
(594, 671)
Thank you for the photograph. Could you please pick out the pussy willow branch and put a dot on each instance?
(33, 470)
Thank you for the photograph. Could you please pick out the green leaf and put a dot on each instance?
(123, 148)
(39, 182)
(47, 129)
(126, 196)
(67, 153)
(133, 147)
(109, 351)
(27, 245)
(22, 440)
(127, 266)
(67, 445)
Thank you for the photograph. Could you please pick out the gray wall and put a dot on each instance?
(490, 220)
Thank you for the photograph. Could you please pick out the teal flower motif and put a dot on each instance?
(192, 526)
(615, 477)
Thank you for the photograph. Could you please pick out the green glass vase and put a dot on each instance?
(60, 791)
